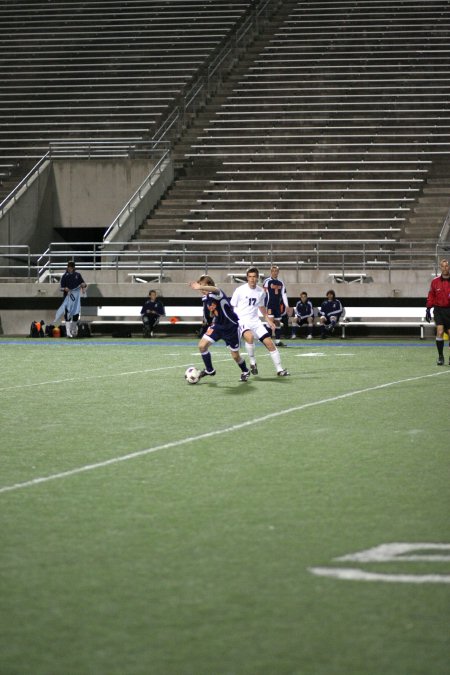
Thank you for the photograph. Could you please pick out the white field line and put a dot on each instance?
(108, 375)
(349, 574)
(210, 434)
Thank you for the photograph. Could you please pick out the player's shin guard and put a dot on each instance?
(440, 346)
(276, 358)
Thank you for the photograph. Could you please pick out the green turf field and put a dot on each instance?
(156, 528)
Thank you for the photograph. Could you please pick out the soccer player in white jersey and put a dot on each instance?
(247, 301)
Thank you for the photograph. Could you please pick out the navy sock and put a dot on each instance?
(207, 360)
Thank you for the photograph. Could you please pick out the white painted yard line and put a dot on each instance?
(310, 354)
(349, 574)
(107, 375)
(210, 434)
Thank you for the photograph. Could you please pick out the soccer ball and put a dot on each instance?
(192, 375)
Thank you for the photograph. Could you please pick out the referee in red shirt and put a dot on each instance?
(439, 299)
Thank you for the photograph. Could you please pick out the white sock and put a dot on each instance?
(276, 358)
(251, 353)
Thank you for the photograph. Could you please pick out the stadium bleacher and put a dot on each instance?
(336, 126)
(331, 133)
(99, 70)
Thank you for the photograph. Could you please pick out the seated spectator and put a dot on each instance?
(151, 312)
(331, 310)
(304, 316)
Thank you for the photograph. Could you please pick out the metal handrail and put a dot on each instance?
(15, 254)
(203, 83)
(160, 256)
(137, 196)
(445, 231)
(89, 149)
(97, 148)
(11, 199)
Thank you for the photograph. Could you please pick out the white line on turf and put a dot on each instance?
(211, 434)
(311, 354)
(350, 574)
(99, 377)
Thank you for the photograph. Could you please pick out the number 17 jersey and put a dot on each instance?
(246, 302)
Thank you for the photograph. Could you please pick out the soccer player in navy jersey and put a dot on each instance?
(276, 301)
(304, 313)
(224, 326)
(330, 312)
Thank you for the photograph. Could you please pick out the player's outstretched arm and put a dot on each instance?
(204, 289)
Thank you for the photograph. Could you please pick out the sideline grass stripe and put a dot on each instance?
(210, 434)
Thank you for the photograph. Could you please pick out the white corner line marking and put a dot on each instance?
(209, 434)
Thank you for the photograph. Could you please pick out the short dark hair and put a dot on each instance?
(253, 270)
(71, 263)
(332, 293)
(206, 280)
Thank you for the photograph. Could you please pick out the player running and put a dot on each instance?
(248, 300)
(224, 326)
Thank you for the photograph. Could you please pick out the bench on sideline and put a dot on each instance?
(130, 315)
(384, 317)
(366, 317)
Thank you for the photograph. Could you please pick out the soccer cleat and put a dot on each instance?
(293, 336)
(245, 375)
(309, 337)
(440, 361)
(283, 373)
(279, 343)
(204, 373)
(254, 369)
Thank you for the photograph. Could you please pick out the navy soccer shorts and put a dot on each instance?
(230, 335)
